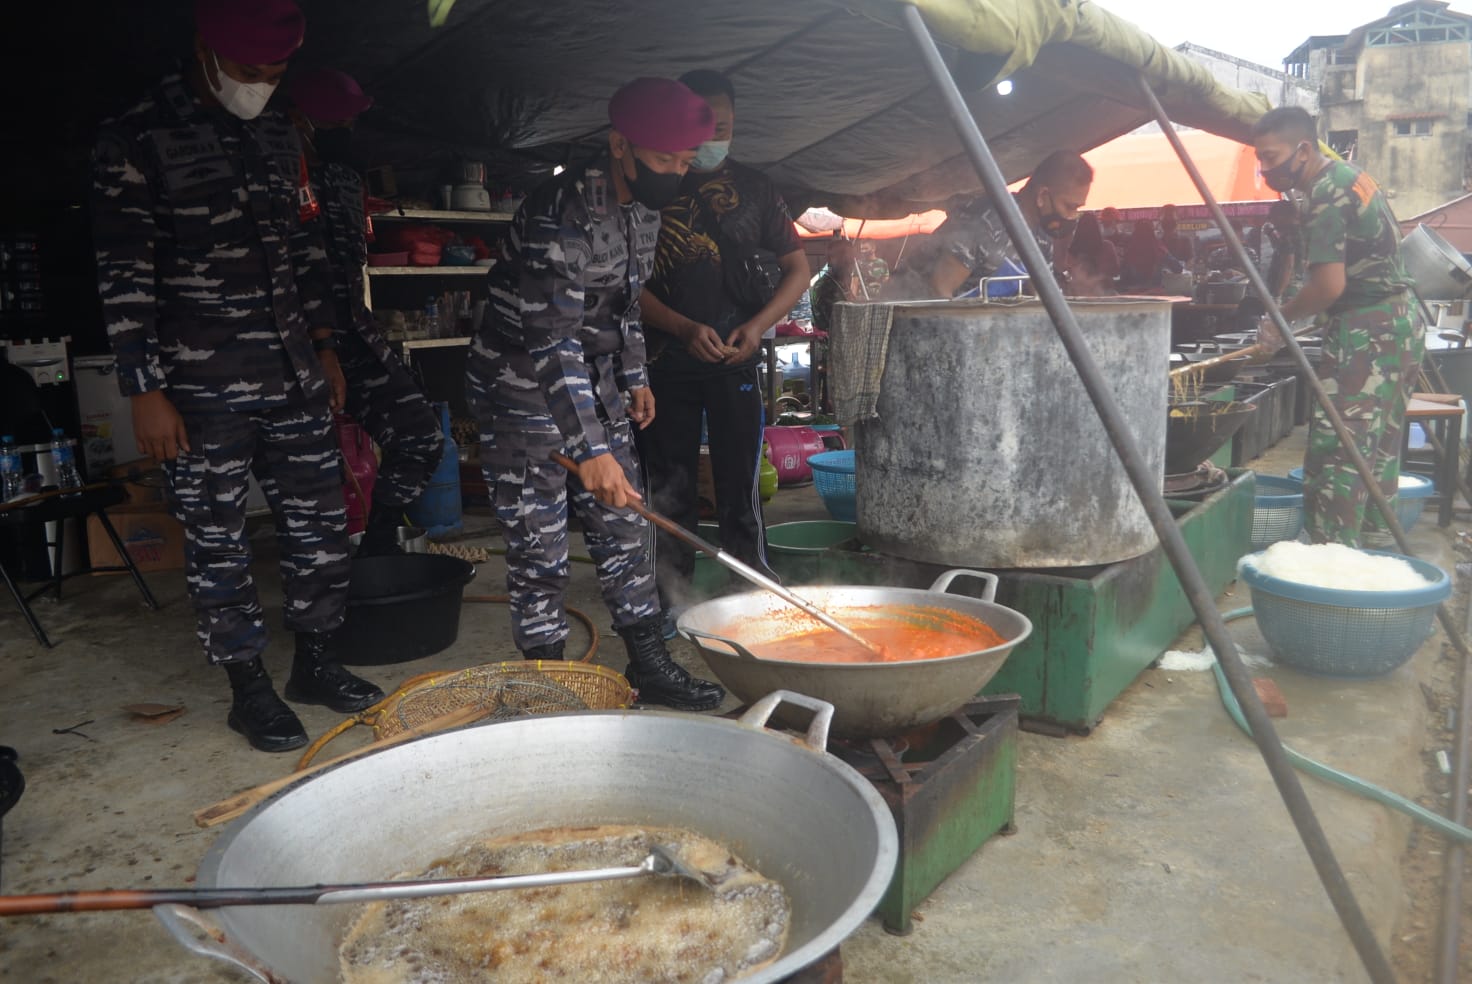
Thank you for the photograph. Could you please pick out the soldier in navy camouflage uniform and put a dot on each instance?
(1374, 341)
(209, 284)
(972, 243)
(381, 395)
(547, 374)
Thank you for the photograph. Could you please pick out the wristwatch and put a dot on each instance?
(324, 344)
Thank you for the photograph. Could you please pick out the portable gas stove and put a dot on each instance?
(950, 785)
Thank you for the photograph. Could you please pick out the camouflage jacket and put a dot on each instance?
(975, 236)
(1347, 220)
(207, 275)
(344, 227)
(563, 322)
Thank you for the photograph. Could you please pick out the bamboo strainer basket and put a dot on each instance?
(504, 690)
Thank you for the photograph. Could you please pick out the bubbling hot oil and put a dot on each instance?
(649, 929)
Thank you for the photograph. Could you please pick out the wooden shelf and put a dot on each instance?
(427, 271)
(439, 215)
(412, 344)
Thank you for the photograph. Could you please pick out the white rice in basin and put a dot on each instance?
(1331, 565)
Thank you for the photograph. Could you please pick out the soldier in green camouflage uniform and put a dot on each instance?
(1373, 340)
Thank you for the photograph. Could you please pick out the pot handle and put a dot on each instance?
(989, 593)
(817, 736)
(199, 934)
(736, 647)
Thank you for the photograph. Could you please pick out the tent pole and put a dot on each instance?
(1449, 930)
(1146, 486)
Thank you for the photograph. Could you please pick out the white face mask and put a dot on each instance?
(246, 100)
(710, 155)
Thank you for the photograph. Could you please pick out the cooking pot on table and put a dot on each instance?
(785, 806)
(870, 700)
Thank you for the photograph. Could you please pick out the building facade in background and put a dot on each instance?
(1281, 88)
(1395, 97)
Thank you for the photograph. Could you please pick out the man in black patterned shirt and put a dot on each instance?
(729, 267)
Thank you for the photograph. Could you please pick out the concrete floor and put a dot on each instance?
(1155, 849)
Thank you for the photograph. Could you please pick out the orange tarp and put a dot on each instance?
(1140, 169)
(911, 225)
(1137, 170)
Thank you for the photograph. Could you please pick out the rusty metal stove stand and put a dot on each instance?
(950, 786)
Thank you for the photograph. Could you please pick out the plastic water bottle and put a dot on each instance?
(11, 480)
(67, 476)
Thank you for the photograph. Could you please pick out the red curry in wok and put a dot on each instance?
(907, 635)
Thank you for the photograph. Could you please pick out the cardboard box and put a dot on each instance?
(142, 480)
(154, 539)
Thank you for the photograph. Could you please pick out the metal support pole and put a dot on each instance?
(1449, 933)
(1451, 911)
(1145, 484)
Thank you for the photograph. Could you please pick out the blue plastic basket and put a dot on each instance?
(1278, 510)
(1345, 633)
(1409, 501)
(833, 474)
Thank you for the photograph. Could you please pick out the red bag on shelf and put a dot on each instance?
(412, 239)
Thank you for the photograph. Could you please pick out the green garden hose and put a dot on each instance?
(1343, 780)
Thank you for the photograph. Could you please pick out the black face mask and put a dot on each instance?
(650, 188)
(334, 145)
(1055, 225)
(1285, 176)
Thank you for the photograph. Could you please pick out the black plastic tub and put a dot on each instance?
(12, 784)
(402, 608)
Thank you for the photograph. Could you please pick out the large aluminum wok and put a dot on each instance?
(796, 813)
(870, 700)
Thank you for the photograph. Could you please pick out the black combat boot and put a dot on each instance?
(552, 650)
(256, 712)
(381, 532)
(657, 677)
(318, 678)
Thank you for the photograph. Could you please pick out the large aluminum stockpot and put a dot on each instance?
(785, 806)
(870, 700)
(1439, 270)
(985, 450)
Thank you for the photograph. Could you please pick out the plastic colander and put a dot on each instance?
(1344, 633)
(1277, 510)
(833, 475)
(1409, 501)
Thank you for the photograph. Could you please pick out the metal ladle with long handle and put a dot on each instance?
(745, 570)
(660, 861)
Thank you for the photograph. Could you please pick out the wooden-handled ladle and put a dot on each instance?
(745, 570)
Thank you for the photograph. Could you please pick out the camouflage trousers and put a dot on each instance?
(384, 398)
(1370, 363)
(534, 497)
(293, 452)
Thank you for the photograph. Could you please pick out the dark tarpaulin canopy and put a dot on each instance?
(832, 101)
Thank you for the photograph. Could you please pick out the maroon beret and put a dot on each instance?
(326, 95)
(251, 32)
(662, 115)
